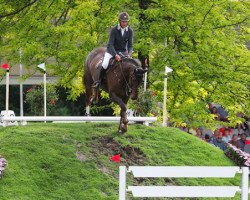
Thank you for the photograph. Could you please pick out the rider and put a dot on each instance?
(120, 42)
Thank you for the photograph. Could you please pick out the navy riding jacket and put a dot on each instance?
(118, 43)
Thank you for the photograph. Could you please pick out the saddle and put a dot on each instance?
(112, 64)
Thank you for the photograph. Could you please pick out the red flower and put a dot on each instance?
(153, 94)
(52, 102)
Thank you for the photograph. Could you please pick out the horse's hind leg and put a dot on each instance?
(88, 88)
(88, 94)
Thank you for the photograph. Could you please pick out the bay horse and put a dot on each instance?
(121, 81)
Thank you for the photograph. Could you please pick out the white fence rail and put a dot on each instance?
(75, 118)
(183, 191)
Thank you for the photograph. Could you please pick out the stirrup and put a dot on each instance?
(96, 84)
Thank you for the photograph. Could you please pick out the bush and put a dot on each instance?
(35, 100)
(145, 105)
(240, 158)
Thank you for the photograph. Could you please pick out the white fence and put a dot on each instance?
(75, 118)
(6, 120)
(183, 191)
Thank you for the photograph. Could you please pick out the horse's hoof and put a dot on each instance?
(122, 130)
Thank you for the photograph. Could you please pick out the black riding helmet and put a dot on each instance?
(123, 16)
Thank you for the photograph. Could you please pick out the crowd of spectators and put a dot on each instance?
(237, 136)
(221, 137)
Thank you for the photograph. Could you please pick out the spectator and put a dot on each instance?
(207, 138)
(242, 141)
(247, 125)
(235, 141)
(223, 113)
(215, 112)
(210, 107)
(240, 126)
(226, 136)
(219, 143)
(206, 131)
(198, 133)
(215, 135)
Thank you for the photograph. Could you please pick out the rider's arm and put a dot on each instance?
(111, 42)
(130, 41)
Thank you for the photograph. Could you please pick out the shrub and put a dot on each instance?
(35, 99)
(240, 158)
(145, 105)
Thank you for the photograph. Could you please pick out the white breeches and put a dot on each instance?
(106, 59)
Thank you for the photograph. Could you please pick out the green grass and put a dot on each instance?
(42, 162)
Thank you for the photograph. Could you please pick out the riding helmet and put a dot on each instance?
(123, 16)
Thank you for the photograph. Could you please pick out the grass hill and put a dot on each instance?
(72, 161)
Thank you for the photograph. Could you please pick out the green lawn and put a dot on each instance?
(71, 161)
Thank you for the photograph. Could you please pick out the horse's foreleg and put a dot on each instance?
(123, 122)
(123, 125)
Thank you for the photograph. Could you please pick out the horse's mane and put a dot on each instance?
(128, 62)
(135, 62)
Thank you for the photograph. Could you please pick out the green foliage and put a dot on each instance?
(42, 161)
(204, 42)
(35, 100)
(145, 105)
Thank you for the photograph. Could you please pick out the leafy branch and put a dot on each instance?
(18, 10)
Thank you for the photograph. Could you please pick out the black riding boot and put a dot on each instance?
(97, 83)
(96, 86)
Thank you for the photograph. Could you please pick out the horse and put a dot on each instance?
(121, 81)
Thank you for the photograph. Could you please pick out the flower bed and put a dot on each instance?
(3, 164)
(240, 158)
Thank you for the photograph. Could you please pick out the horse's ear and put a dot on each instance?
(140, 71)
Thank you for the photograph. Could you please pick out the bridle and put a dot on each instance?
(128, 88)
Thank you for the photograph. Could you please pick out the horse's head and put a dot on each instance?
(136, 77)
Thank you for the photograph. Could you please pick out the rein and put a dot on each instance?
(128, 88)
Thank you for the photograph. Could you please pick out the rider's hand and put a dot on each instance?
(118, 57)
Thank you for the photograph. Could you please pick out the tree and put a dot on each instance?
(203, 41)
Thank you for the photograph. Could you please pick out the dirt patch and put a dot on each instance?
(79, 154)
(108, 146)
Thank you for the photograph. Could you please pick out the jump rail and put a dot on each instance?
(76, 118)
(183, 191)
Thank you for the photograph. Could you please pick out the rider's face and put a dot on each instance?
(123, 24)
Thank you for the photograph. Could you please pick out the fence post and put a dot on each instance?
(122, 183)
(244, 183)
